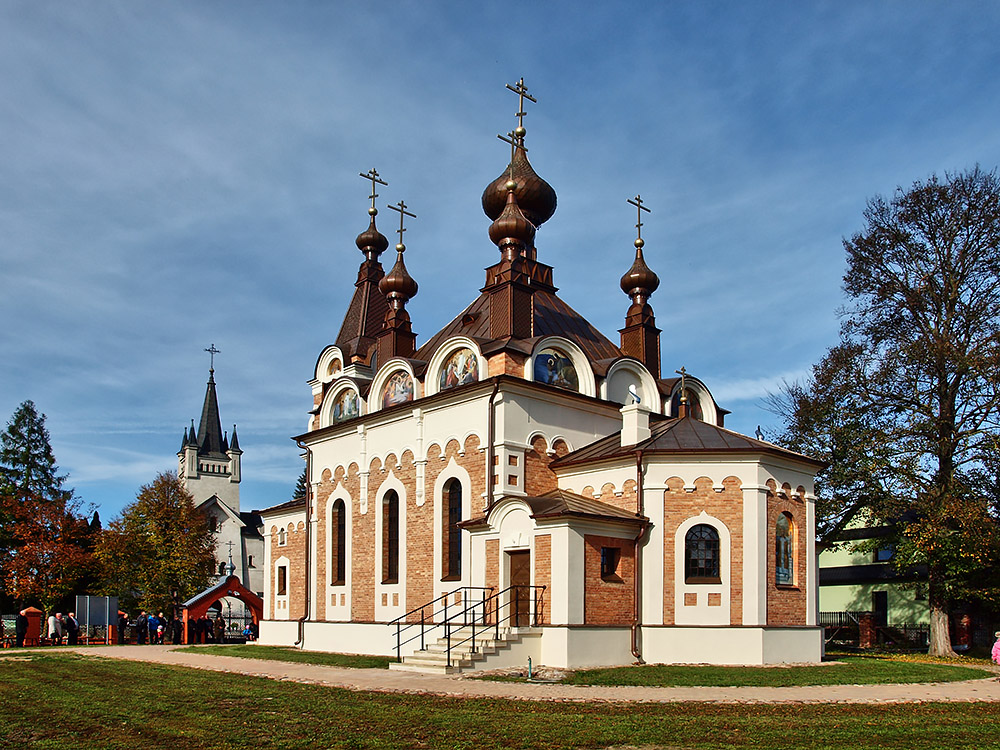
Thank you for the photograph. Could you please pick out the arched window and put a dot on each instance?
(339, 543)
(390, 537)
(282, 539)
(701, 555)
(451, 534)
(784, 557)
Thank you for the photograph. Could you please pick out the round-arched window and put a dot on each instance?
(701, 555)
(784, 569)
(693, 404)
(554, 367)
(461, 367)
(398, 389)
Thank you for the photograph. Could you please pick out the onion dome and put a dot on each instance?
(372, 242)
(512, 227)
(535, 197)
(397, 285)
(639, 281)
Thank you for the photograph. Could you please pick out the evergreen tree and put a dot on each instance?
(302, 486)
(27, 464)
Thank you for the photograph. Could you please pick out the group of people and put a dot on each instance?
(60, 626)
(153, 629)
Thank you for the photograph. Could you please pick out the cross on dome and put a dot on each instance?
(373, 176)
(401, 208)
(522, 93)
(212, 351)
(639, 208)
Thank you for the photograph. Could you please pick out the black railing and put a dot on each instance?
(514, 606)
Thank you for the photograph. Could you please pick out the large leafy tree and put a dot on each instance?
(160, 544)
(920, 392)
(44, 543)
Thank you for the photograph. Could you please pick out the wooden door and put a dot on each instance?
(520, 594)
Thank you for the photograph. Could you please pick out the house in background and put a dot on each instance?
(522, 471)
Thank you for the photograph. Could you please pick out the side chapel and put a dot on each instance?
(521, 461)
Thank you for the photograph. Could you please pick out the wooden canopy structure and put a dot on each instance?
(199, 605)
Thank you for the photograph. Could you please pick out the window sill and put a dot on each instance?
(339, 583)
(451, 578)
(612, 579)
(702, 581)
(390, 581)
(786, 586)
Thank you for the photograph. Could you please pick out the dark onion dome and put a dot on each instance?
(371, 240)
(512, 225)
(535, 197)
(639, 279)
(398, 284)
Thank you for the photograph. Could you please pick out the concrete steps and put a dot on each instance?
(434, 659)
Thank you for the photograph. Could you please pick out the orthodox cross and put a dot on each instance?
(373, 176)
(522, 93)
(683, 373)
(639, 208)
(213, 351)
(401, 207)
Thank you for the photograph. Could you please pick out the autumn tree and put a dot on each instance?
(919, 395)
(159, 544)
(45, 550)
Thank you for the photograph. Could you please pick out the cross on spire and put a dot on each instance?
(639, 208)
(683, 373)
(401, 208)
(213, 351)
(522, 93)
(512, 139)
(373, 176)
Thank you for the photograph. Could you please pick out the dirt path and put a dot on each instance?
(383, 680)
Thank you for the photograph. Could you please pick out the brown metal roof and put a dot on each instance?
(297, 502)
(562, 503)
(678, 436)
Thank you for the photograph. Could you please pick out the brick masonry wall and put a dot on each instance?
(786, 605)
(628, 499)
(538, 478)
(608, 602)
(506, 363)
(295, 551)
(680, 505)
(543, 575)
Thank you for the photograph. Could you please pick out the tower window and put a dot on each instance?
(451, 563)
(339, 543)
(610, 557)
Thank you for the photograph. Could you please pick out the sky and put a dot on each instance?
(177, 175)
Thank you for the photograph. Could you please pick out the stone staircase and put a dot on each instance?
(513, 647)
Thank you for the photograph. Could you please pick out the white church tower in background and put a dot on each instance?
(208, 464)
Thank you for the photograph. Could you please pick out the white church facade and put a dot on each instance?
(521, 470)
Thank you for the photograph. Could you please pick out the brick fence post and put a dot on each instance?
(866, 630)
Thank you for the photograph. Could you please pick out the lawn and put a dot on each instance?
(287, 653)
(53, 700)
(846, 670)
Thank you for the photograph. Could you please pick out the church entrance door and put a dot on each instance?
(520, 593)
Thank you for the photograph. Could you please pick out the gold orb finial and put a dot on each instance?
(400, 247)
(639, 242)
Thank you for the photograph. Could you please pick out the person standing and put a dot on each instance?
(220, 627)
(141, 627)
(72, 629)
(55, 633)
(995, 654)
(20, 628)
(122, 624)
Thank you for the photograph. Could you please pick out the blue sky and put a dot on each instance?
(174, 175)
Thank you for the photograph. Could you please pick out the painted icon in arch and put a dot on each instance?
(398, 389)
(347, 406)
(462, 367)
(555, 368)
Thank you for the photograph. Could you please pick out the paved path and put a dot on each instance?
(386, 681)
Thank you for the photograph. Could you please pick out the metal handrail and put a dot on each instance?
(437, 616)
(482, 611)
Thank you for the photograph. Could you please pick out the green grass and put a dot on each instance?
(54, 700)
(285, 653)
(855, 670)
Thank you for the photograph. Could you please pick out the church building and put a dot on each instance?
(522, 476)
(208, 464)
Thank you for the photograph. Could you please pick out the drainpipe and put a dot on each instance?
(637, 577)
(491, 430)
(305, 614)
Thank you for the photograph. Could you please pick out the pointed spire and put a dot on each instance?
(225, 442)
(640, 338)
(192, 436)
(234, 446)
(184, 441)
(210, 429)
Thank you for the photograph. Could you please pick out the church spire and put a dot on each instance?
(396, 339)
(640, 337)
(368, 307)
(210, 439)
